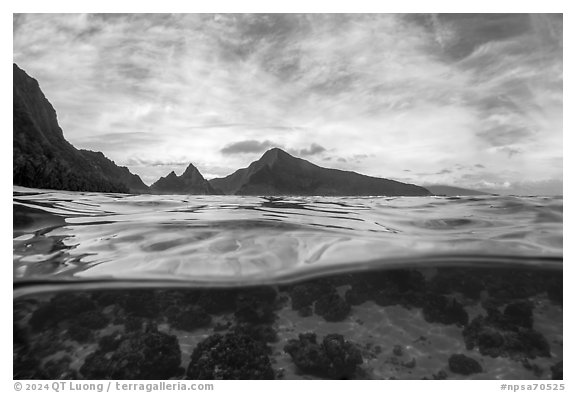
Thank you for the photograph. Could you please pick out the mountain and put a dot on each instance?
(190, 182)
(112, 171)
(279, 173)
(454, 191)
(43, 158)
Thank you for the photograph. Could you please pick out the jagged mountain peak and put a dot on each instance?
(189, 182)
(274, 155)
(191, 170)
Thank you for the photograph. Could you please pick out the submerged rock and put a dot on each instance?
(332, 307)
(518, 314)
(319, 296)
(444, 310)
(462, 364)
(500, 335)
(138, 355)
(334, 358)
(230, 356)
(506, 285)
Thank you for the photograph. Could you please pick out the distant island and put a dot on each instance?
(43, 158)
(279, 173)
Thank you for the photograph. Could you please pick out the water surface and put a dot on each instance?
(72, 236)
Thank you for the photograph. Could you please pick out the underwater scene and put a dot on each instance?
(121, 286)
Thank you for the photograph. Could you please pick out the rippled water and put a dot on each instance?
(286, 288)
(73, 235)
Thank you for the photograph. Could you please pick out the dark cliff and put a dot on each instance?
(43, 158)
(109, 169)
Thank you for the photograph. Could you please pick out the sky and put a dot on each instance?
(468, 100)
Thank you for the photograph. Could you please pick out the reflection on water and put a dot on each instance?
(70, 235)
(110, 286)
(433, 323)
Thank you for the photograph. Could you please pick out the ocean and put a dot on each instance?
(230, 287)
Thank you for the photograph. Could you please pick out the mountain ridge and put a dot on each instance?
(43, 158)
(279, 173)
(190, 182)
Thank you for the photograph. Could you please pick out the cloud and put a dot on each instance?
(460, 34)
(312, 150)
(384, 91)
(136, 161)
(117, 141)
(250, 146)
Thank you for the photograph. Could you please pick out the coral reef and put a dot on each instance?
(462, 364)
(439, 308)
(332, 307)
(333, 358)
(230, 356)
(137, 355)
(506, 334)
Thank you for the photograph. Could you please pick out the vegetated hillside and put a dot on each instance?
(43, 158)
(279, 173)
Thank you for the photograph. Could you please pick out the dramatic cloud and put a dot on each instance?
(384, 92)
(247, 147)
